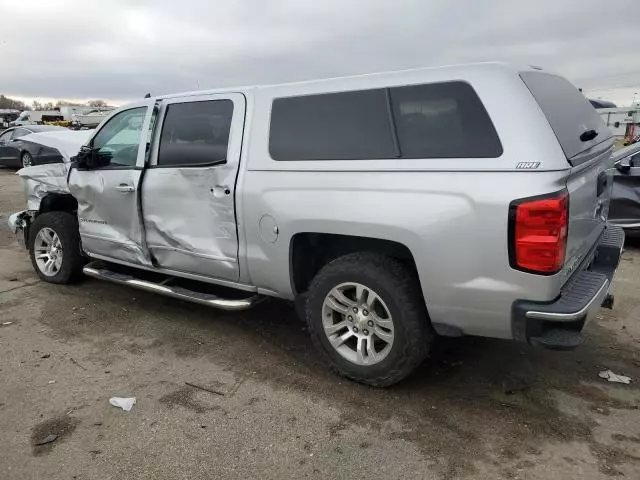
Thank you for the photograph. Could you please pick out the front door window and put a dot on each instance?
(119, 139)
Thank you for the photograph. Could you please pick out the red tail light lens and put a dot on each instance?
(538, 233)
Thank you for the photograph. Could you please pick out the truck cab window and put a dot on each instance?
(120, 137)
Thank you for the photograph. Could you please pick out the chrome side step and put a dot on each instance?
(101, 271)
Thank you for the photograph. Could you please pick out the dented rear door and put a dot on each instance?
(188, 187)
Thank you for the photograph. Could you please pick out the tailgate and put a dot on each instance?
(587, 144)
(589, 184)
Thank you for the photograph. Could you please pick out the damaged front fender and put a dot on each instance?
(41, 180)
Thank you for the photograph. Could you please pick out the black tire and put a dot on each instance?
(399, 288)
(26, 160)
(65, 225)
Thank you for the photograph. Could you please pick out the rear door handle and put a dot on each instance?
(124, 188)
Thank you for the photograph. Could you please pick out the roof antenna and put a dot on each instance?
(148, 95)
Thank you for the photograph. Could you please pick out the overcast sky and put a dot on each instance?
(121, 49)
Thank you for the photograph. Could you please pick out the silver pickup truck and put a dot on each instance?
(393, 208)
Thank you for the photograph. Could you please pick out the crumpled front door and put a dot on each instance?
(108, 196)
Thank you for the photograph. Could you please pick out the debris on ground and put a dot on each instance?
(47, 439)
(513, 385)
(4, 324)
(125, 403)
(51, 382)
(614, 377)
(75, 362)
(210, 390)
(46, 355)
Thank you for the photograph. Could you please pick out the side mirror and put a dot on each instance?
(624, 165)
(81, 160)
(90, 158)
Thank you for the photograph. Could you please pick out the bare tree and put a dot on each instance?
(97, 103)
(10, 103)
(42, 105)
(67, 103)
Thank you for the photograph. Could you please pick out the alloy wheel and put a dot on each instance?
(357, 323)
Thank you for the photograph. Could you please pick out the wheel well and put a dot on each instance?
(311, 251)
(58, 202)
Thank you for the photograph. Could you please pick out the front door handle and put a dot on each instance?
(124, 188)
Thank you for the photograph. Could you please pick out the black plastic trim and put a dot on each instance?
(392, 122)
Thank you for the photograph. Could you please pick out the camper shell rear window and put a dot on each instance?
(568, 112)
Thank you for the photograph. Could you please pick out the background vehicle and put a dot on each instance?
(625, 198)
(90, 118)
(392, 207)
(7, 115)
(36, 117)
(15, 152)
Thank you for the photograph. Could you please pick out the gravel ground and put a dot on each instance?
(477, 409)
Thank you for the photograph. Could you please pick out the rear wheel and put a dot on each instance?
(54, 247)
(27, 159)
(366, 315)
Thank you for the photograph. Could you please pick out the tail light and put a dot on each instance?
(538, 233)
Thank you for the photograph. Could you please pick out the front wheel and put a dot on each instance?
(54, 247)
(366, 315)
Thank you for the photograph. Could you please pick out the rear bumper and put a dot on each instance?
(579, 300)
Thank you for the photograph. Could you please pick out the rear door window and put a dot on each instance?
(195, 133)
(443, 120)
(569, 113)
(336, 126)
